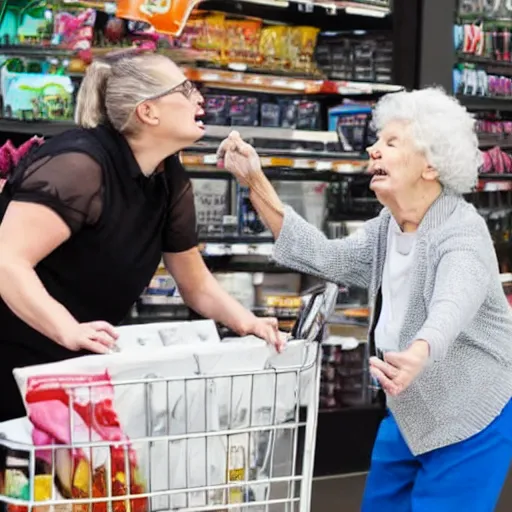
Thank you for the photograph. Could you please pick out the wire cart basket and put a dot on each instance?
(238, 444)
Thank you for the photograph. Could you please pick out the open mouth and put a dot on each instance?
(199, 119)
(378, 173)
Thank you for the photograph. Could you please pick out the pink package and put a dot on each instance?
(70, 409)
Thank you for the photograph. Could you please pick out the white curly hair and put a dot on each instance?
(441, 128)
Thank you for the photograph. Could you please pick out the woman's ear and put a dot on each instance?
(430, 174)
(148, 113)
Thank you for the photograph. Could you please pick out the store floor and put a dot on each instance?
(344, 494)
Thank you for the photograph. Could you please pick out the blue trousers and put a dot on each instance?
(466, 476)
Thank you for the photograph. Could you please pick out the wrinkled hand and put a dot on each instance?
(268, 329)
(239, 158)
(399, 369)
(99, 337)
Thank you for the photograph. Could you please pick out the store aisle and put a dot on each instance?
(344, 495)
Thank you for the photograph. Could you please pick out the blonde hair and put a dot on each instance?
(114, 86)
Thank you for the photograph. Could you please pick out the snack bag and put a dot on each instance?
(166, 16)
(273, 48)
(211, 37)
(241, 41)
(302, 43)
(69, 409)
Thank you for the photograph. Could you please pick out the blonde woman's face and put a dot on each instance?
(181, 109)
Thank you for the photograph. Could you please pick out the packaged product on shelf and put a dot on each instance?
(241, 41)
(352, 123)
(211, 198)
(217, 109)
(166, 16)
(23, 22)
(273, 48)
(212, 36)
(243, 111)
(301, 47)
(30, 96)
(300, 114)
(74, 32)
(249, 222)
(270, 115)
(343, 373)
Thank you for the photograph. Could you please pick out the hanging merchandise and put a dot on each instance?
(166, 16)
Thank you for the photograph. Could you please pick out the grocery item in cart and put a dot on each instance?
(62, 417)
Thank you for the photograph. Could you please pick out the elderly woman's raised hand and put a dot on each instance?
(399, 369)
(239, 158)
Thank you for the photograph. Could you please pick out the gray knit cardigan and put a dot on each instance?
(457, 304)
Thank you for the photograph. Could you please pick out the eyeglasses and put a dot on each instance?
(187, 88)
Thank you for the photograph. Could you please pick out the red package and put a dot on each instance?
(68, 409)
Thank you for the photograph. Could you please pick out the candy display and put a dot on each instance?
(267, 111)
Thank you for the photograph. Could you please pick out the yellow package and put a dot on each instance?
(302, 44)
(274, 46)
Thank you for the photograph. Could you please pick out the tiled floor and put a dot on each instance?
(344, 495)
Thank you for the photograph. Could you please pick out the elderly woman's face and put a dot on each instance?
(395, 162)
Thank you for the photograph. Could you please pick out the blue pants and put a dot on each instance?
(466, 476)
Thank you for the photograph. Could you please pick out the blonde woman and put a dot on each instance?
(89, 215)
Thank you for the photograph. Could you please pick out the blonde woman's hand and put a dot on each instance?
(98, 337)
(268, 330)
(239, 158)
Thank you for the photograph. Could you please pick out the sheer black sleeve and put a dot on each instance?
(180, 231)
(71, 184)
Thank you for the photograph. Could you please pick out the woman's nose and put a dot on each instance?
(373, 152)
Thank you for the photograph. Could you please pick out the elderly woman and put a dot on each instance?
(441, 323)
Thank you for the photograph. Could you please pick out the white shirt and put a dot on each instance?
(396, 281)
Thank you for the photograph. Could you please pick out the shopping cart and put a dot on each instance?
(256, 450)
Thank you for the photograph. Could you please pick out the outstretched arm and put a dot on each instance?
(299, 245)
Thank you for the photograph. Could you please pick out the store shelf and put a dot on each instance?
(490, 65)
(488, 141)
(281, 84)
(230, 247)
(486, 103)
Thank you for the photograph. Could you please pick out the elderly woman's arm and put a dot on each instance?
(299, 245)
(462, 283)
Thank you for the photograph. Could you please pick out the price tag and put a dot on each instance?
(323, 165)
(210, 159)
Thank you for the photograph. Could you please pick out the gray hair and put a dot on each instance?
(113, 87)
(441, 128)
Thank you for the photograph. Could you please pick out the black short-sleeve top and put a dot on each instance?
(120, 220)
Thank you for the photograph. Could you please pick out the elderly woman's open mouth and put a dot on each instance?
(378, 173)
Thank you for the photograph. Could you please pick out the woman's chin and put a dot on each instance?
(381, 189)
